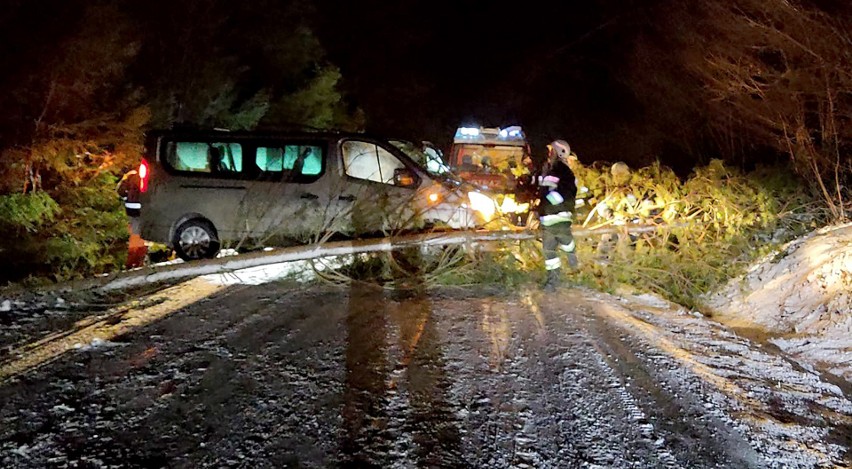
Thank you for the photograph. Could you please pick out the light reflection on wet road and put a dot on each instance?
(358, 376)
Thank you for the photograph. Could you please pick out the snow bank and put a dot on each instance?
(801, 297)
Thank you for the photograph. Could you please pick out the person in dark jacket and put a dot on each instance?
(557, 194)
(526, 183)
(526, 189)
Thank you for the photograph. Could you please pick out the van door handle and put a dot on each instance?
(309, 196)
(348, 198)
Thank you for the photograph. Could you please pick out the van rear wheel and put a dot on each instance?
(196, 239)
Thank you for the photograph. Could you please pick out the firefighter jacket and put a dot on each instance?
(526, 187)
(557, 193)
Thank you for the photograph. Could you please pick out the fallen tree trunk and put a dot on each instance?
(330, 249)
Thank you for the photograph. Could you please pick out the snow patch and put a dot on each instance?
(801, 296)
(652, 301)
(297, 270)
(62, 409)
(23, 451)
(96, 344)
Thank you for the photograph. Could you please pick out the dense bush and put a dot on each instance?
(707, 228)
(26, 212)
(81, 230)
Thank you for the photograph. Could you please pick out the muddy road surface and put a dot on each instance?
(282, 375)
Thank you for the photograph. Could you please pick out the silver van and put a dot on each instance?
(200, 191)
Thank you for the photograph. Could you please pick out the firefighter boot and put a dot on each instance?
(573, 262)
(552, 280)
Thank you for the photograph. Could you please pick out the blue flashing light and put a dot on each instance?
(512, 133)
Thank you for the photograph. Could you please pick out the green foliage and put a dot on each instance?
(317, 104)
(701, 232)
(708, 228)
(78, 125)
(26, 212)
(87, 234)
(77, 112)
(239, 65)
(76, 115)
(94, 229)
(159, 253)
(508, 264)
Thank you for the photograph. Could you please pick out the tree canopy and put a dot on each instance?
(748, 79)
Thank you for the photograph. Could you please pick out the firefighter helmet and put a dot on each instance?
(560, 148)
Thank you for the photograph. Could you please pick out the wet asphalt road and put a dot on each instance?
(278, 375)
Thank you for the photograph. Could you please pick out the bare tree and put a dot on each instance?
(782, 71)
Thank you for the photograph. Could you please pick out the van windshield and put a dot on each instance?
(487, 158)
(427, 159)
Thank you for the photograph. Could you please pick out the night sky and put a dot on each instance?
(421, 68)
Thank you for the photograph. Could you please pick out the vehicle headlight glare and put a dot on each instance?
(482, 204)
(509, 205)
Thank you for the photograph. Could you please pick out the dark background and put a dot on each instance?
(417, 69)
(746, 83)
(610, 77)
(422, 68)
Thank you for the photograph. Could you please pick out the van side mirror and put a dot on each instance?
(404, 177)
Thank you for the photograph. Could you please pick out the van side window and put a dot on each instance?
(299, 162)
(230, 157)
(364, 160)
(204, 157)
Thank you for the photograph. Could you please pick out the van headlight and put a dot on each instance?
(509, 205)
(483, 204)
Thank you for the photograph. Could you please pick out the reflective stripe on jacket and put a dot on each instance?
(560, 179)
(552, 219)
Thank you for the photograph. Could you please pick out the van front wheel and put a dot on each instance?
(196, 239)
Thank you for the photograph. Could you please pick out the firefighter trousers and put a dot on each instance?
(555, 238)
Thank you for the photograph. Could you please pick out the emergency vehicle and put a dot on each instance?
(494, 160)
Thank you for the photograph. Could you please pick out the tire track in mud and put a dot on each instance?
(553, 400)
(613, 432)
(692, 437)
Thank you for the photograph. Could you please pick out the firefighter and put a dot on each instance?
(557, 194)
(525, 180)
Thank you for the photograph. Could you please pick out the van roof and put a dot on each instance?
(260, 134)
